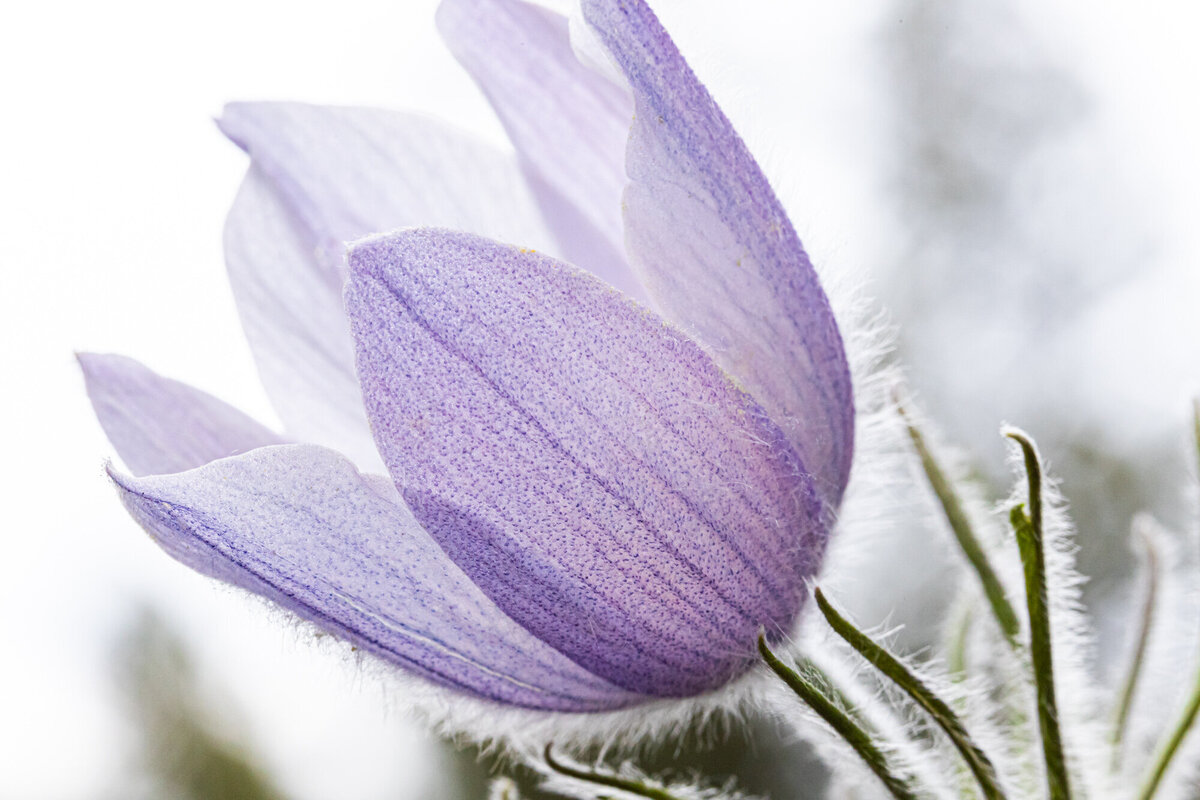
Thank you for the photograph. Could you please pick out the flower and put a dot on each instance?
(602, 483)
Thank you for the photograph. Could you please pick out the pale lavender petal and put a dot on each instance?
(299, 525)
(718, 253)
(568, 123)
(348, 172)
(158, 425)
(587, 465)
(291, 310)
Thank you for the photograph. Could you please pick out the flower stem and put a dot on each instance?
(1031, 543)
(1167, 750)
(964, 532)
(611, 781)
(841, 722)
(943, 715)
(1149, 600)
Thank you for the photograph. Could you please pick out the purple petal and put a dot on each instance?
(568, 123)
(158, 425)
(717, 251)
(291, 310)
(588, 466)
(300, 526)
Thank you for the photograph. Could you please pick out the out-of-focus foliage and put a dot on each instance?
(180, 750)
(188, 744)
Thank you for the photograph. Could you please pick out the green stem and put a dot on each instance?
(981, 767)
(1031, 543)
(600, 779)
(841, 722)
(1167, 750)
(1146, 621)
(964, 532)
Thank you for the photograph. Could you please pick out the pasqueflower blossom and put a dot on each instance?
(571, 483)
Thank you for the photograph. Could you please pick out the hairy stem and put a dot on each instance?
(964, 532)
(841, 722)
(1031, 543)
(600, 779)
(978, 762)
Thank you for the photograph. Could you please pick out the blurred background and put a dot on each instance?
(1018, 181)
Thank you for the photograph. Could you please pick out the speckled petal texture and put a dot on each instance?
(568, 123)
(590, 468)
(717, 251)
(300, 526)
(159, 425)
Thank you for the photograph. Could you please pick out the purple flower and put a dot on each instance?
(590, 503)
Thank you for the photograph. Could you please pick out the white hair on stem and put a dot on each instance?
(874, 704)
(503, 789)
(995, 691)
(1081, 706)
(556, 782)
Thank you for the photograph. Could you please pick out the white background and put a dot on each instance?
(113, 187)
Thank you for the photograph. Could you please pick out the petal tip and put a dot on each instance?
(96, 367)
(233, 121)
(119, 478)
(86, 360)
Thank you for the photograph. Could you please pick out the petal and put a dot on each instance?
(299, 525)
(291, 310)
(158, 425)
(323, 176)
(589, 467)
(716, 250)
(568, 123)
(348, 172)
